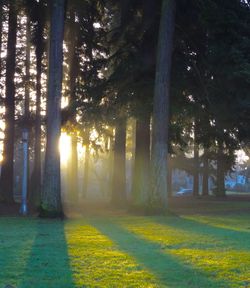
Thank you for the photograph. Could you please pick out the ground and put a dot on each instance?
(204, 244)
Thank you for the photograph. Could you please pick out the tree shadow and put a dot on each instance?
(237, 239)
(16, 240)
(169, 271)
(48, 265)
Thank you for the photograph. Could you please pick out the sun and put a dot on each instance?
(65, 148)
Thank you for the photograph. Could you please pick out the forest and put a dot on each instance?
(136, 89)
(124, 143)
(150, 85)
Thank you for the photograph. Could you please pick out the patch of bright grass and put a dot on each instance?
(126, 251)
(222, 252)
(96, 261)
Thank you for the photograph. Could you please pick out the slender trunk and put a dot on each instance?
(86, 167)
(169, 177)
(37, 173)
(220, 190)
(8, 147)
(27, 72)
(51, 194)
(205, 174)
(1, 42)
(27, 102)
(1, 31)
(73, 72)
(36, 180)
(196, 170)
(140, 183)
(74, 170)
(118, 197)
(159, 194)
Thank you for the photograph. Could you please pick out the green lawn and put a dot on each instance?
(126, 251)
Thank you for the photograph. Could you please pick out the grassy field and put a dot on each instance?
(189, 250)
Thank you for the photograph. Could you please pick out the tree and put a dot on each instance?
(119, 168)
(140, 184)
(8, 150)
(158, 196)
(51, 194)
(37, 13)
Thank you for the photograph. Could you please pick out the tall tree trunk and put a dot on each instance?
(1, 31)
(118, 197)
(86, 169)
(220, 190)
(169, 176)
(205, 174)
(158, 197)
(140, 184)
(37, 173)
(73, 73)
(36, 180)
(27, 92)
(196, 170)
(51, 195)
(8, 148)
(27, 73)
(74, 170)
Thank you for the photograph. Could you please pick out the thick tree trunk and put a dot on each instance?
(51, 195)
(8, 147)
(205, 174)
(140, 183)
(118, 197)
(158, 197)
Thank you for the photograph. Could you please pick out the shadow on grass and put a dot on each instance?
(169, 271)
(48, 263)
(237, 239)
(16, 240)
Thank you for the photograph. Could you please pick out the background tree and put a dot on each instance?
(8, 150)
(51, 195)
(158, 196)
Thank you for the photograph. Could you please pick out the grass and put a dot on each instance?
(189, 250)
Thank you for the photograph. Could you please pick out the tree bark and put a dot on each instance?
(51, 205)
(118, 197)
(8, 146)
(158, 196)
(140, 183)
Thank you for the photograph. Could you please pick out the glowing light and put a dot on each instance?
(65, 147)
(64, 102)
